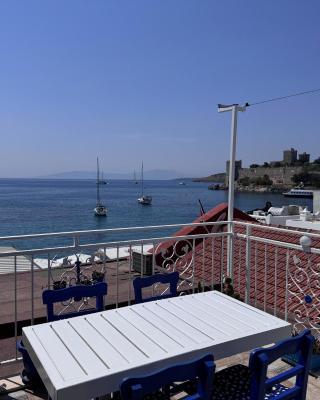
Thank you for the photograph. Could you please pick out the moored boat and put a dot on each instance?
(143, 199)
(100, 209)
(146, 200)
(299, 193)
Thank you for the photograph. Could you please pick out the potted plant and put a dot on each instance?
(315, 359)
(227, 288)
(97, 276)
(59, 285)
(86, 282)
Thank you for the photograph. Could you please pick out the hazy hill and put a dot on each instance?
(212, 178)
(156, 174)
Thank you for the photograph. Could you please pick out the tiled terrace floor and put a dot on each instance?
(22, 394)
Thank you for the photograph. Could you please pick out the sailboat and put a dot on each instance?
(145, 200)
(101, 180)
(134, 177)
(100, 210)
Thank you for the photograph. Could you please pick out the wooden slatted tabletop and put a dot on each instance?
(88, 356)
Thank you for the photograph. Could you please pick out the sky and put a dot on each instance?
(140, 80)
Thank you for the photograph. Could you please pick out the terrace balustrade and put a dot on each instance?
(271, 270)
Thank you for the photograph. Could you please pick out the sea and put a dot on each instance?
(33, 206)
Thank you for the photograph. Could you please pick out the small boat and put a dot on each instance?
(182, 183)
(146, 200)
(100, 209)
(143, 199)
(295, 192)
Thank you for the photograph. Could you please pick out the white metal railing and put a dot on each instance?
(157, 252)
(279, 276)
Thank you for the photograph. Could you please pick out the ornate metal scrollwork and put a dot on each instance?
(78, 272)
(177, 257)
(303, 293)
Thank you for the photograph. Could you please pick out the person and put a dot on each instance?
(264, 209)
(267, 206)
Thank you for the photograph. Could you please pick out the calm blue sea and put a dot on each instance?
(36, 206)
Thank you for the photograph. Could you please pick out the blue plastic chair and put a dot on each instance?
(50, 297)
(29, 374)
(140, 283)
(202, 370)
(252, 383)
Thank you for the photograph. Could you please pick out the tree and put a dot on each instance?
(263, 180)
(303, 177)
(245, 181)
(315, 180)
(254, 166)
(266, 165)
(316, 161)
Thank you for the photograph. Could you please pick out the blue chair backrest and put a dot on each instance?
(261, 358)
(203, 369)
(140, 283)
(50, 297)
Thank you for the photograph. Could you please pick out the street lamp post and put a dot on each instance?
(234, 108)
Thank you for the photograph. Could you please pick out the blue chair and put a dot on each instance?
(29, 375)
(50, 297)
(140, 283)
(201, 370)
(251, 383)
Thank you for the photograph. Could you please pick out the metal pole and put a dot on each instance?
(232, 160)
(234, 108)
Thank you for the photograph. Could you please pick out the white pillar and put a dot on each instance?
(232, 161)
(233, 145)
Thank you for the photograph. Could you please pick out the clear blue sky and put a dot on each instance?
(132, 80)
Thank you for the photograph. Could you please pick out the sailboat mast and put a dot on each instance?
(98, 183)
(142, 178)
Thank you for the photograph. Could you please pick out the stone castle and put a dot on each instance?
(280, 172)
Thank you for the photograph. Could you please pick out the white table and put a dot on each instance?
(88, 356)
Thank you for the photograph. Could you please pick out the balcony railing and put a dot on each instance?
(271, 270)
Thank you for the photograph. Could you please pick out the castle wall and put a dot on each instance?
(279, 176)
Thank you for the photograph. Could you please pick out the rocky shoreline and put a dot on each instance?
(256, 188)
(262, 189)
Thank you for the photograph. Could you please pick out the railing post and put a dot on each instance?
(32, 290)
(193, 262)
(117, 279)
(248, 259)
(287, 281)
(230, 250)
(15, 306)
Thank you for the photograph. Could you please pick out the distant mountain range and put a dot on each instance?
(155, 174)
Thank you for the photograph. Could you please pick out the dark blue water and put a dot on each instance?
(37, 206)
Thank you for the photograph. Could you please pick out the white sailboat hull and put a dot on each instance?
(100, 211)
(146, 200)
